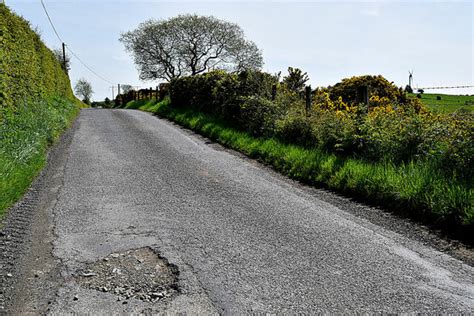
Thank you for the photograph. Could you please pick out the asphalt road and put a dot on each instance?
(243, 238)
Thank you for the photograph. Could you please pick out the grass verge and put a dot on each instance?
(413, 189)
(24, 138)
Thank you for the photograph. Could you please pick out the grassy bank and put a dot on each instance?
(23, 144)
(413, 189)
(447, 103)
(36, 105)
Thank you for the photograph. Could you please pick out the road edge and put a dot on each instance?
(26, 238)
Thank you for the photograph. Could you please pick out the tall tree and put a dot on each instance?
(84, 90)
(189, 45)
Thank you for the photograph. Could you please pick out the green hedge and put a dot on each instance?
(221, 93)
(29, 71)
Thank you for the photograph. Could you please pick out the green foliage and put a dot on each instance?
(392, 127)
(36, 104)
(221, 93)
(29, 71)
(334, 131)
(296, 79)
(23, 141)
(132, 105)
(377, 85)
(258, 115)
(83, 88)
(296, 128)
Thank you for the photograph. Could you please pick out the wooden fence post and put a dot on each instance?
(308, 100)
(363, 95)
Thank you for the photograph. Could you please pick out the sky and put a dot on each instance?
(329, 40)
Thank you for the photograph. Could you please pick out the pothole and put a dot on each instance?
(139, 273)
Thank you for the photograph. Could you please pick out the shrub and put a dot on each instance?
(377, 86)
(223, 94)
(335, 131)
(391, 135)
(296, 128)
(459, 143)
(256, 83)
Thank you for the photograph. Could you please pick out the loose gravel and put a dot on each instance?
(139, 273)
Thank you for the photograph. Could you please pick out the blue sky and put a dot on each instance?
(330, 40)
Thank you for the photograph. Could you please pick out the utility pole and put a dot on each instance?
(113, 92)
(118, 89)
(64, 57)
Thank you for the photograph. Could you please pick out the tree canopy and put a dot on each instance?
(84, 90)
(189, 45)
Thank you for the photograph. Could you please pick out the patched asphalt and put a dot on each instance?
(242, 238)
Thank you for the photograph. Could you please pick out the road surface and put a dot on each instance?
(242, 238)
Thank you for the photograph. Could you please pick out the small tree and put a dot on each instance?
(58, 53)
(296, 79)
(84, 90)
(189, 45)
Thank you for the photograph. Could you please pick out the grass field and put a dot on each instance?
(448, 103)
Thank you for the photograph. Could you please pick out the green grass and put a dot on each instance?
(24, 138)
(448, 103)
(414, 189)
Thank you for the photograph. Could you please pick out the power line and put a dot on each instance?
(69, 49)
(456, 87)
(88, 68)
(51, 22)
